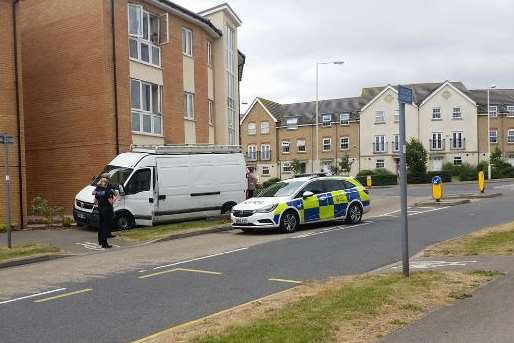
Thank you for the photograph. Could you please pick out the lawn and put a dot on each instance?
(144, 234)
(498, 240)
(355, 309)
(26, 250)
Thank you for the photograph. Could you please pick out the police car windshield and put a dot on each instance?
(281, 189)
(118, 175)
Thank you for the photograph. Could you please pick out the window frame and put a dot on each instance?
(379, 143)
(510, 110)
(209, 53)
(268, 150)
(326, 123)
(298, 145)
(459, 117)
(189, 106)
(286, 167)
(493, 113)
(347, 143)
(132, 177)
(458, 136)
(267, 130)
(382, 163)
(155, 114)
(292, 126)
(141, 40)
(251, 150)
(457, 158)
(495, 136)
(344, 122)
(396, 116)
(267, 173)
(396, 143)
(509, 136)
(437, 109)
(210, 112)
(285, 143)
(438, 146)
(250, 131)
(323, 144)
(187, 42)
(380, 119)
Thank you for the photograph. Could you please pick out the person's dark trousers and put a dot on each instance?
(105, 226)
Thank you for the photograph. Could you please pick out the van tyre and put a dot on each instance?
(354, 214)
(124, 221)
(289, 222)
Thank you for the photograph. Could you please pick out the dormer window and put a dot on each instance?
(292, 123)
(326, 119)
(344, 119)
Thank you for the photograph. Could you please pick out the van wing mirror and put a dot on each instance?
(307, 194)
(121, 190)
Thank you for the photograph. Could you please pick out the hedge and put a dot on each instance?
(379, 180)
(445, 175)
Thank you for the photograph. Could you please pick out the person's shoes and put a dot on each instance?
(106, 246)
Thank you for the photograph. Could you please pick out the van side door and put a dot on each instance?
(139, 196)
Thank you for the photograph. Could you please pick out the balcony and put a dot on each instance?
(437, 145)
(458, 144)
(380, 148)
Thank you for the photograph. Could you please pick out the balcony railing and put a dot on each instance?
(437, 144)
(380, 148)
(458, 144)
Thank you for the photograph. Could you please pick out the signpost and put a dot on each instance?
(5, 139)
(481, 182)
(404, 97)
(437, 188)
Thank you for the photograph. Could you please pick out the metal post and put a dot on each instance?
(403, 194)
(488, 136)
(317, 120)
(5, 140)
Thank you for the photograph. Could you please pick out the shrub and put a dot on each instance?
(445, 175)
(365, 172)
(3, 228)
(467, 172)
(66, 222)
(482, 166)
(502, 169)
(382, 171)
(379, 180)
(449, 167)
(417, 178)
(260, 187)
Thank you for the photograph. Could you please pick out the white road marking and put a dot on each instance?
(327, 230)
(412, 211)
(32, 296)
(435, 264)
(90, 246)
(199, 258)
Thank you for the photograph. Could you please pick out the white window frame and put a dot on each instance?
(209, 53)
(436, 113)
(265, 171)
(379, 117)
(324, 121)
(327, 142)
(493, 111)
(457, 136)
(252, 129)
(510, 136)
(154, 113)
(265, 152)
(344, 119)
(210, 109)
(292, 123)
(396, 143)
(396, 116)
(264, 127)
(252, 152)
(286, 147)
(379, 143)
(189, 106)
(493, 136)
(510, 111)
(298, 145)
(286, 167)
(187, 42)
(140, 40)
(380, 164)
(344, 140)
(457, 158)
(457, 115)
(437, 141)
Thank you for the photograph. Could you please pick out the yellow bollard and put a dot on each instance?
(437, 188)
(369, 181)
(481, 181)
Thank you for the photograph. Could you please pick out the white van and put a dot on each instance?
(170, 182)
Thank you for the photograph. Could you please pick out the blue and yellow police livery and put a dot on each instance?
(302, 200)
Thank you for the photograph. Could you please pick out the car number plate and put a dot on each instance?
(81, 215)
(241, 221)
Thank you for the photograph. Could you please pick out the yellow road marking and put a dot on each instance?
(180, 270)
(63, 295)
(192, 322)
(287, 281)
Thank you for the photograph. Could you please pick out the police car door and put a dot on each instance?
(139, 196)
(311, 205)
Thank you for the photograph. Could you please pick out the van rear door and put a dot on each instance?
(139, 196)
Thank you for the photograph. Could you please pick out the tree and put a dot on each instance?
(346, 164)
(416, 158)
(296, 166)
(334, 168)
(496, 156)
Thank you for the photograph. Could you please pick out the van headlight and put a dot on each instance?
(266, 209)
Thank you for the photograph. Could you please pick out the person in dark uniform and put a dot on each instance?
(104, 198)
(114, 190)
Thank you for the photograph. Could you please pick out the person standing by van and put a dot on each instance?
(104, 198)
(252, 183)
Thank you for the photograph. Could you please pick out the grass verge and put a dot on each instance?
(350, 309)
(26, 251)
(497, 240)
(144, 234)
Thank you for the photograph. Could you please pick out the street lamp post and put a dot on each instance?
(316, 142)
(489, 176)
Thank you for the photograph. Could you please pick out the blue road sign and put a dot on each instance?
(405, 94)
(436, 180)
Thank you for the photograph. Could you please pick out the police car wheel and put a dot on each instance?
(354, 215)
(289, 222)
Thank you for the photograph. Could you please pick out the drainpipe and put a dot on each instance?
(115, 80)
(18, 113)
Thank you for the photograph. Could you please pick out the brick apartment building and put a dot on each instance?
(102, 75)
(11, 111)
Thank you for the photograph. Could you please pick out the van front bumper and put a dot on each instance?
(83, 218)
(254, 221)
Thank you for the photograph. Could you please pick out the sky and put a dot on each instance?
(381, 42)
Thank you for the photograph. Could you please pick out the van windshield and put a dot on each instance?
(117, 174)
(281, 189)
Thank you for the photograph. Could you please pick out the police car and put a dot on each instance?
(301, 200)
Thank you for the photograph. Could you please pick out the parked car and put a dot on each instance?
(289, 203)
(168, 183)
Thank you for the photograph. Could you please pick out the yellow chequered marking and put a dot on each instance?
(326, 212)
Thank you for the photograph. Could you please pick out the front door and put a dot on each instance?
(437, 163)
(139, 196)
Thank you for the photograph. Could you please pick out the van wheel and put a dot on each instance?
(289, 222)
(124, 221)
(354, 214)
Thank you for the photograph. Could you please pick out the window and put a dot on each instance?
(380, 164)
(327, 144)
(396, 143)
(265, 171)
(252, 129)
(344, 119)
(325, 166)
(436, 113)
(457, 114)
(316, 187)
(231, 85)
(379, 144)
(139, 182)
(292, 123)
(396, 116)
(380, 117)
(146, 107)
(285, 147)
(334, 185)
(189, 106)
(493, 136)
(493, 111)
(510, 136)
(344, 143)
(437, 141)
(286, 167)
(252, 152)
(264, 127)
(326, 120)
(187, 42)
(265, 152)
(457, 140)
(510, 111)
(209, 53)
(457, 161)
(211, 113)
(144, 29)
(300, 144)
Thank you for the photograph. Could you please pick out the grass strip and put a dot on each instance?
(26, 250)
(497, 240)
(144, 234)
